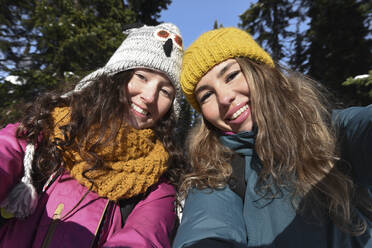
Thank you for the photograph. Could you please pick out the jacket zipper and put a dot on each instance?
(57, 219)
(100, 230)
(53, 225)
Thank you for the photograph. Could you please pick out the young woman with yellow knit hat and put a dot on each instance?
(97, 166)
(271, 166)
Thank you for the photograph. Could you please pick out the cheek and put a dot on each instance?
(211, 113)
(130, 89)
(163, 107)
(246, 88)
(133, 87)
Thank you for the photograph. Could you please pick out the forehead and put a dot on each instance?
(218, 70)
(155, 73)
(223, 64)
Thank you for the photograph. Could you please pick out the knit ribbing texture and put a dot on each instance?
(144, 47)
(134, 161)
(212, 48)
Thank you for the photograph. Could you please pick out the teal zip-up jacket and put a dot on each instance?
(220, 218)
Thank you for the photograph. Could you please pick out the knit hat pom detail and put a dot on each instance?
(23, 198)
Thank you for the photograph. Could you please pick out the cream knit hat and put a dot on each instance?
(157, 48)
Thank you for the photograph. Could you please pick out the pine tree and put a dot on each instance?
(185, 122)
(46, 41)
(297, 61)
(268, 22)
(216, 25)
(298, 57)
(362, 84)
(148, 11)
(15, 34)
(330, 42)
(339, 46)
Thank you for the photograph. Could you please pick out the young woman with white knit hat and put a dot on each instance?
(97, 166)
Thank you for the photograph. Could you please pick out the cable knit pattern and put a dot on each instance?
(135, 160)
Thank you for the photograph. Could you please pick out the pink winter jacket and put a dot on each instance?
(149, 224)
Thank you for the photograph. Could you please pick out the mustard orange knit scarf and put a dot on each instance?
(135, 160)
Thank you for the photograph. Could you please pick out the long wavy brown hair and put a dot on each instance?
(99, 105)
(295, 143)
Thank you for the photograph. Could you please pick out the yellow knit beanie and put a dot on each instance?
(212, 48)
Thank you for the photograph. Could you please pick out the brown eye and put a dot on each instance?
(178, 40)
(163, 34)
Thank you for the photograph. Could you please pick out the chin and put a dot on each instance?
(138, 124)
(246, 128)
(145, 126)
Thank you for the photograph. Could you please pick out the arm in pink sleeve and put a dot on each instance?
(11, 159)
(150, 223)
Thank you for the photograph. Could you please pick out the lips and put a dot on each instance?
(236, 111)
(139, 110)
(239, 112)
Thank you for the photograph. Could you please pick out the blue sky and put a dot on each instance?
(194, 17)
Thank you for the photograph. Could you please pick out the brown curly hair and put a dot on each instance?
(295, 144)
(101, 104)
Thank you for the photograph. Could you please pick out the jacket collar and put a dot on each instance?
(242, 143)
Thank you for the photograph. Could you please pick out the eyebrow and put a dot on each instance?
(219, 75)
(201, 88)
(225, 68)
(167, 83)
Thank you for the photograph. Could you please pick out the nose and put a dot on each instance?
(149, 93)
(225, 96)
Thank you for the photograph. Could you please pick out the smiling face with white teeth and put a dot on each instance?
(150, 95)
(224, 97)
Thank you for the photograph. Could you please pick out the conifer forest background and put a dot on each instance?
(50, 44)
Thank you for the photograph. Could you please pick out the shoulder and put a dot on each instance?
(11, 148)
(354, 130)
(8, 136)
(158, 205)
(10, 129)
(211, 195)
(211, 214)
(351, 117)
(11, 156)
(212, 203)
(152, 220)
(161, 190)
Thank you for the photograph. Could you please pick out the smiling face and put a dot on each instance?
(150, 95)
(224, 97)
